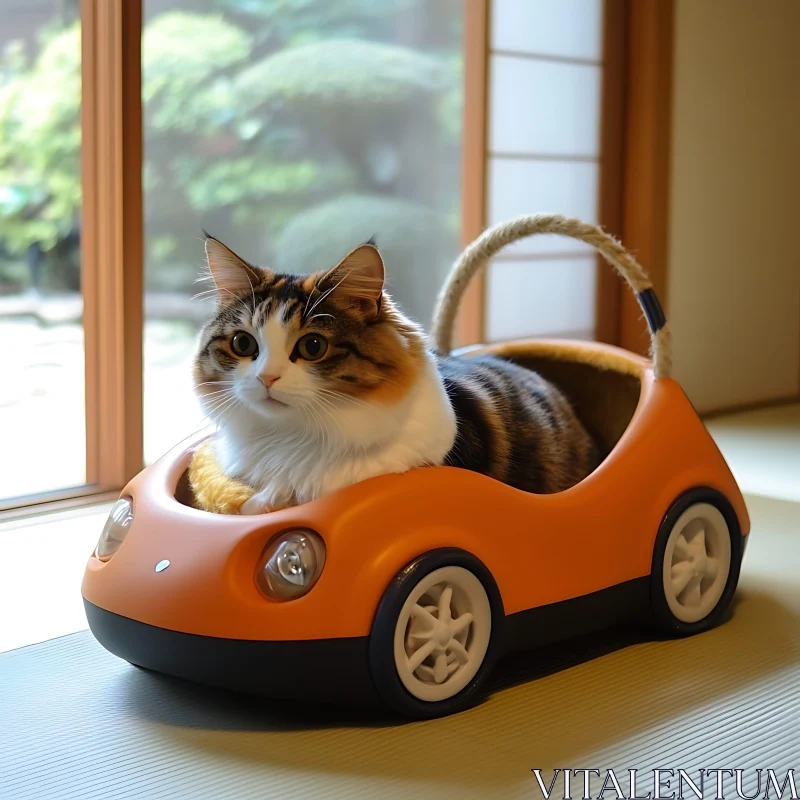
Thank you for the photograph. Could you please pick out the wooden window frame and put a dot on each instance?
(112, 258)
(471, 319)
(112, 249)
(634, 177)
(112, 267)
(634, 158)
(632, 204)
(648, 133)
(612, 129)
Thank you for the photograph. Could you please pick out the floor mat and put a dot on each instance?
(76, 722)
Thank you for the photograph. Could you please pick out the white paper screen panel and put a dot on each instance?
(541, 298)
(565, 28)
(543, 107)
(522, 186)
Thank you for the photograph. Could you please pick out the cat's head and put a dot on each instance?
(293, 347)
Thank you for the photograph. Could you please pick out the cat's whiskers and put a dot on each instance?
(215, 383)
(224, 390)
(389, 382)
(219, 407)
(327, 438)
(327, 293)
(308, 300)
(252, 292)
(355, 403)
(208, 421)
(196, 432)
(323, 417)
(322, 413)
(347, 398)
(216, 291)
(317, 426)
(225, 415)
(307, 429)
(218, 393)
(216, 403)
(329, 408)
(205, 293)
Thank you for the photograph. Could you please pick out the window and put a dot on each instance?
(294, 132)
(42, 425)
(545, 68)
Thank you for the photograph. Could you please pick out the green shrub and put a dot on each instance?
(415, 242)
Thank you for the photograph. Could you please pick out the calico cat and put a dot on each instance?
(317, 382)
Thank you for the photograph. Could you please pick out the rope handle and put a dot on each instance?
(491, 241)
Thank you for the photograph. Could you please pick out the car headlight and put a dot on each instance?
(291, 564)
(115, 530)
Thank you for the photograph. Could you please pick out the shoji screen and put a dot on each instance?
(544, 100)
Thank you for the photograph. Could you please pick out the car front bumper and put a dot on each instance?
(334, 671)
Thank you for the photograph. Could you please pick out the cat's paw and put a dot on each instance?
(257, 504)
(264, 502)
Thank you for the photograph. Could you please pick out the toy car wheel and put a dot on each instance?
(433, 637)
(696, 563)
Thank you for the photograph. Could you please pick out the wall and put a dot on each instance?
(734, 257)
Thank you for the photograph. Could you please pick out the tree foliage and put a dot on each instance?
(187, 61)
(409, 236)
(340, 74)
(40, 138)
(254, 114)
(301, 21)
(318, 237)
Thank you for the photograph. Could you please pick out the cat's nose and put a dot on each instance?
(268, 380)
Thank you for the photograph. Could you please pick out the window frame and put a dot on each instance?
(634, 159)
(645, 183)
(637, 48)
(471, 320)
(112, 266)
(112, 262)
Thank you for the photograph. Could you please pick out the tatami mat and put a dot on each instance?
(34, 610)
(75, 722)
(762, 448)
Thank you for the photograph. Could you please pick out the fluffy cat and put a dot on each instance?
(317, 382)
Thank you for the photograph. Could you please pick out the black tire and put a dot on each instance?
(665, 619)
(381, 645)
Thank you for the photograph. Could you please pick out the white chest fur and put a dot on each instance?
(300, 460)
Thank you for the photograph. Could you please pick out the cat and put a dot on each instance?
(316, 382)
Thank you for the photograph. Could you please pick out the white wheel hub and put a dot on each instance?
(697, 561)
(442, 634)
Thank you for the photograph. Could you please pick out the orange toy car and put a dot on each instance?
(404, 589)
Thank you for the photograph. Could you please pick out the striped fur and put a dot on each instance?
(515, 426)
(377, 401)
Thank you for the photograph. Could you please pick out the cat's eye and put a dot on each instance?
(244, 344)
(312, 347)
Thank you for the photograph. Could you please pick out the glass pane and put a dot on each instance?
(541, 298)
(293, 131)
(42, 425)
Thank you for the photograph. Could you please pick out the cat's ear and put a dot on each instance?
(232, 275)
(359, 277)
